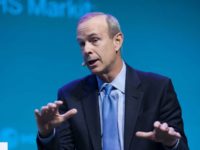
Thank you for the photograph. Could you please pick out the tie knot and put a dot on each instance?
(108, 89)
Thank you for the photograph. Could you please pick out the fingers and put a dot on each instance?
(161, 127)
(174, 133)
(53, 107)
(69, 113)
(37, 113)
(50, 108)
(156, 124)
(165, 129)
(44, 110)
(58, 102)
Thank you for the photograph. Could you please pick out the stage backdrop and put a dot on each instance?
(39, 53)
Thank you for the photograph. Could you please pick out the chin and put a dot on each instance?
(96, 70)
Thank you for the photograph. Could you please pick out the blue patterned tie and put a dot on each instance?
(110, 125)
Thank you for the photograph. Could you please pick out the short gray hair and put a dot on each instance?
(113, 24)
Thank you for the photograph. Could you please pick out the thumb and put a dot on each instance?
(69, 114)
(145, 135)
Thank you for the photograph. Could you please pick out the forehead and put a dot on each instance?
(95, 25)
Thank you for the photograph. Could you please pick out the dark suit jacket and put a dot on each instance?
(148, 97)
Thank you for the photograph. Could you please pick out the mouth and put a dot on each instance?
(92, 62)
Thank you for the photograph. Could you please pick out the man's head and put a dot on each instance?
(100, 39)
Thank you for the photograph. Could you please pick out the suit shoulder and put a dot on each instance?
(75, 84)
(152, 77)
(153, 82)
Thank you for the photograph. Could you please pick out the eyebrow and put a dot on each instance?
(89, 36)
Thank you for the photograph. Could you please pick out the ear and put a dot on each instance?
(118, 40)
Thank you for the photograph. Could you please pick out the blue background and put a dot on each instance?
(39, 53)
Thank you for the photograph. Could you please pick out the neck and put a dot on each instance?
(114, 70)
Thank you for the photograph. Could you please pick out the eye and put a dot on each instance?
(94, 40)
(81, 43)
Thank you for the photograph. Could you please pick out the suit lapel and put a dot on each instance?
(91, 111)
(133, 98)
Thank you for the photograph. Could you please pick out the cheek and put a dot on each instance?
(106, 52)
(109, 58)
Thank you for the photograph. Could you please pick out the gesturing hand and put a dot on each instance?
(161, 133)
(49, 117)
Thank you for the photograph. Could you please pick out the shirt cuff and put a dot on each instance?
(175, 147)
(47, 139)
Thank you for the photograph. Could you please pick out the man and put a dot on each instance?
(140, 111)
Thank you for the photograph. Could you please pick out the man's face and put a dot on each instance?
(96, 45)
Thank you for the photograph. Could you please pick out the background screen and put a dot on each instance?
(39, 54)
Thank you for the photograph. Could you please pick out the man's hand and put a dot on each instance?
(161, 133)
(49, 117)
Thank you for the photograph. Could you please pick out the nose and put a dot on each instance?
(87, 49)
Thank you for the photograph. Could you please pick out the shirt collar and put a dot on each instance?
(118, 82)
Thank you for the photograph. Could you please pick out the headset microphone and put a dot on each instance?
(83, 64)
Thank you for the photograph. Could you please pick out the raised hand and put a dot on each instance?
(49, 117)
(161, 133)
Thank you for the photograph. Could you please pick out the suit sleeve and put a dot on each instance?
(170, 112)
